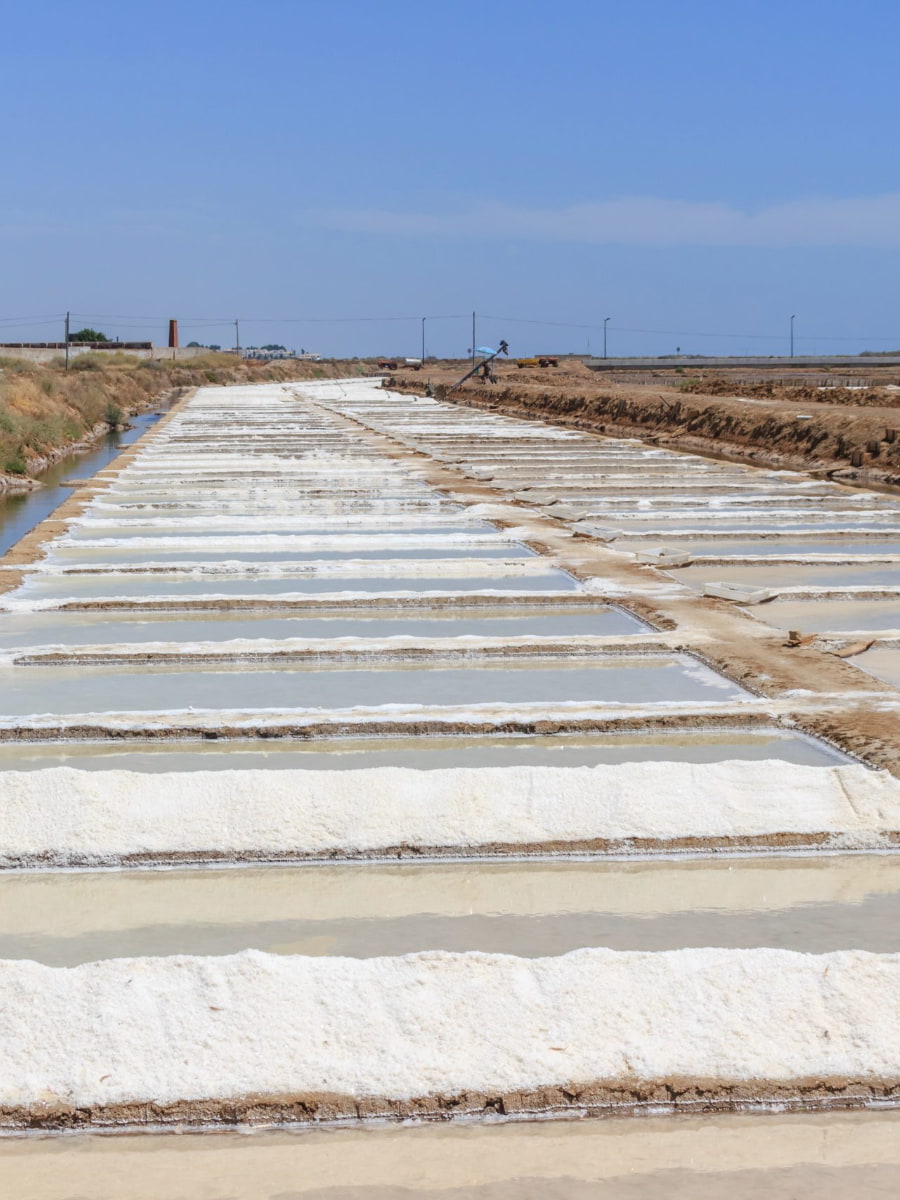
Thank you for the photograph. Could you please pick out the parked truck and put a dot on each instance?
(391, 364)
(541, 360)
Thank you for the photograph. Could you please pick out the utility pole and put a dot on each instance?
(67, 341)
(473, 341)
(605, 319)
(793, 318)
(237, 337)
(424, 319)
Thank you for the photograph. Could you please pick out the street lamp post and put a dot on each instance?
(605, 319)
(424, 319)
(793, 318)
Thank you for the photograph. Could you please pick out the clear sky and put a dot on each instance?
(688, 168)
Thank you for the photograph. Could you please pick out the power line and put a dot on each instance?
(123, 321)
(46, 319)
(271, 320)
(820, 337)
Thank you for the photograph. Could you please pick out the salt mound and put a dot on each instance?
(437, 1024)
(65, 815)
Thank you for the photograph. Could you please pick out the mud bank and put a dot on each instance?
(255, 1037)
(825, 440)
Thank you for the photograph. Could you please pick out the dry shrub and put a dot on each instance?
(44, 408)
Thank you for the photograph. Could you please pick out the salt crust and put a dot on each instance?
(63, 812)
(436, 1023)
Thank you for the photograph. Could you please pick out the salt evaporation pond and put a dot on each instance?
(792, 575)
(71, 556)
(540, 909)
(373, 527)
(427, 754)
(26, 691)
(769, 547)
(831, 616)
(741, 1156)
(881, 661)
(210, 493)
(55, 628)
(142, 586)
(755, 523)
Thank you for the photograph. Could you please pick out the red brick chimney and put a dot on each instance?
(173, 334)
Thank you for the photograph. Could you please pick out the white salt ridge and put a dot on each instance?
(385, 534)
(331, 568)
(14, 604)
(64, 813)
(393, 644)
(437, 1024)
(392, 718)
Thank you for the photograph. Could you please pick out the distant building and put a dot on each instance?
(266, 354)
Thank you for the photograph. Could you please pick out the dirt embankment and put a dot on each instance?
(842, 434)
(47, 412)
(867, 397)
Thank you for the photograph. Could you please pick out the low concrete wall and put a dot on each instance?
(708, 364)
(39, 354)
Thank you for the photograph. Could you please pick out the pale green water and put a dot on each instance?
(425, 753)
(791, 575)
(86, 587)
(32, 690)
(754, 1156)
(83, 628)
(530, 909)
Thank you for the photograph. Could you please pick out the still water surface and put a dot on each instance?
(19, 514)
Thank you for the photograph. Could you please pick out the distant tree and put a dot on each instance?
(195, 343)
(273, 346)
(88, 335)
(213, 347)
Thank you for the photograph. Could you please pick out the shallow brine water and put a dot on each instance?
(846, 547)
(115, 556)
(33, 690)
(340, 525)
(531, 910)
(749, 1156)
(831, 616)
(881, 661)
(424, 753)
(758, 524)
(86, 628)
(110, 586)
(791, 575)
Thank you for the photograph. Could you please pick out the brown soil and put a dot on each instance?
(623, 1097)
(595, 848)
(762, 424)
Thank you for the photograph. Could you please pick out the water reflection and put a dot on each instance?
(20, 513)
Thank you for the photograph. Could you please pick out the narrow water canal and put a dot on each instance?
(21, 512)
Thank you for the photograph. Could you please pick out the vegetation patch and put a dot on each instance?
(46, 410)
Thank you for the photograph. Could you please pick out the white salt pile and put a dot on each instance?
(62, 815)
(168, 1030)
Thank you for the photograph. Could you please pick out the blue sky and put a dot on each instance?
(697, 171)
